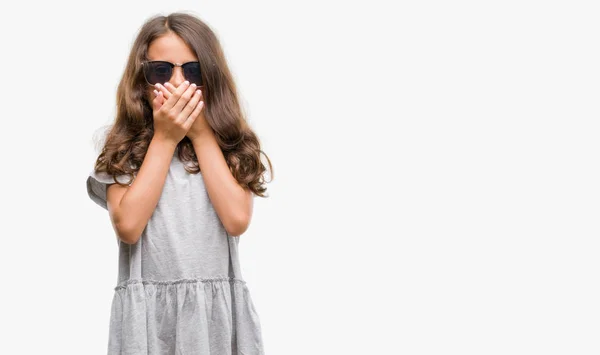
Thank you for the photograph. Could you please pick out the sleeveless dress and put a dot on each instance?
(180, 289)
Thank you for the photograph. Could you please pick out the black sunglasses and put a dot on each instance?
(159, 71)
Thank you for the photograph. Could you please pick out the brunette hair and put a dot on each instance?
(127, 140)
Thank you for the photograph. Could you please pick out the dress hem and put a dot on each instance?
(126, 283)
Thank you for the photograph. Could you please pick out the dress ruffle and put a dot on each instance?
(213, 316)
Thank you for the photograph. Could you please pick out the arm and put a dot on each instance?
(232, 202)
(130, 207)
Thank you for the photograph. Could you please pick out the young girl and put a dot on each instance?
(178, 173)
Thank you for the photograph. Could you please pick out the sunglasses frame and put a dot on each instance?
(173, 65)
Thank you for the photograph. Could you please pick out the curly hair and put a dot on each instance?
(128, 138)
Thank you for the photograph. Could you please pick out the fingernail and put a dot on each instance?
(186, 82)
(193, 85)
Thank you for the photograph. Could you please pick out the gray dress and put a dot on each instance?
(180, 289)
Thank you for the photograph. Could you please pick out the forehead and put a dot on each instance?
(171, 48)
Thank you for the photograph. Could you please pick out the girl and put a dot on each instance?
(178, 173)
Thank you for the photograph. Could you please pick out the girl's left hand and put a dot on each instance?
(200, 125)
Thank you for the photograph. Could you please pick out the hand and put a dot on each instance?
(175, 115)
(200, 125)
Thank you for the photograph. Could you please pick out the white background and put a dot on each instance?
(435, 186)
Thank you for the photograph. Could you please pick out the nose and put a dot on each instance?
(177, 77)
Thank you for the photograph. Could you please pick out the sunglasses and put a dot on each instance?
(159, 71)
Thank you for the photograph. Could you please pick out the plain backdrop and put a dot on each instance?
(435, 185)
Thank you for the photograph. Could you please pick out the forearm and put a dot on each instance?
(139, 201)
(226, 195)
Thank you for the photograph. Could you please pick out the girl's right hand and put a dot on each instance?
(174, 117)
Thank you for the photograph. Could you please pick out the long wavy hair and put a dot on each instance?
(128, 138)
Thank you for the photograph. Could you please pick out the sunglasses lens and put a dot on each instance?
(191, 71)
(157, 72)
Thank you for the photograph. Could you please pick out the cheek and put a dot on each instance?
(150, 96)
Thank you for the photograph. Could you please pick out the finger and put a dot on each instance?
(189, 122)
(196, 111)
(158, 100)
(166, 90)
(183, 100)
(161, 99)
(187, 110)
(195, 114)
(170, 88)
(176, 95)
